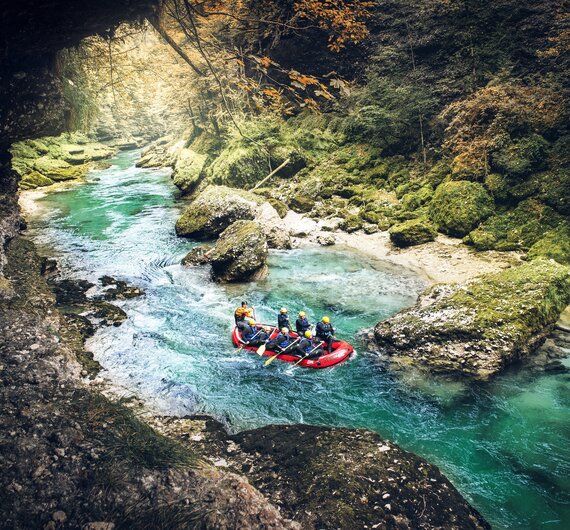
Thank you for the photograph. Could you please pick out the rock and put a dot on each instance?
(554, 245)
(301, 203)
(240, 253)
(109, 313)
(412, 232)
(187, 170)
(326, 240)
(280, 206)
(273, 227)
(299, 225)
(216, 208)
(197, 256)
(71, 292)
(160, 153)
(59, 517)
(458, 207)
(119, 290)
(479, 327)
(34, 180)
(98, 525)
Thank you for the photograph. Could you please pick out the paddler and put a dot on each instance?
(302, 324)
(325, 332)
(251, 332)
(243, 312)
(308, 347)
(280, 343)
(283, 319)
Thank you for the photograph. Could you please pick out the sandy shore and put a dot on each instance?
(27, 199)
(444, 260)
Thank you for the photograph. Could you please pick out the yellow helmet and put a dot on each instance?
(302, 314)
(284, 330)
(266, 328)
(283, 310)
(308, 334)
(251, 322)
(326, 320)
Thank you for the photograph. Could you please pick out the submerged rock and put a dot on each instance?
(216, 208)
(479, 327)
(240, 253)
(412, 232)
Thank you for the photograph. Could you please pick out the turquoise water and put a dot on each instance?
(505, 444)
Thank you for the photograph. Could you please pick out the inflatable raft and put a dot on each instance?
(340, 351)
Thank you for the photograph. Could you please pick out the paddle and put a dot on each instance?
(303, 358)
(263, 347)
(271, 359)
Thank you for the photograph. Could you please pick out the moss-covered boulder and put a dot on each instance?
(240, 254)
(458, 207)
(280, 206)
(519, 158)
(478, 328)
(188, 169)
(34, 180)
(412, 232)
(555, 245)
(415, 199)
(515, 229)
(59, 170)
(301, 203)
(213, 210)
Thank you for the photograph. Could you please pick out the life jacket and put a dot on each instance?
(302, 325)
(306, 345)
(324, 330)
(242, 312)
(283, 321)
(283, 340)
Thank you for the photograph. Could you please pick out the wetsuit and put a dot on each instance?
(302, 325)
(279, 343)
(325, 332)
(258, 336)
(307, 346)
(283, 321)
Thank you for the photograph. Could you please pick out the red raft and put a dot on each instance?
(340, 351)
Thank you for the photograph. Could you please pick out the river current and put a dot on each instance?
(504, 444)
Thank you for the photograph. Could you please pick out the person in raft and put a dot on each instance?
(281, 343)
(252, 333)
(242, 312)
(283, 319)
(302, 324)
(325, 332)
(309, 346)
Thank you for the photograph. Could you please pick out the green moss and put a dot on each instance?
(438, 173)
(497, 186)
(413, 200)
(554, 245)
(413, 232)
(459, 206)
(188, 170)
(515, 229)
(352, 223)
(279, 206)
(59, 170)
(520, 157)
(301, 203)
(34, 180)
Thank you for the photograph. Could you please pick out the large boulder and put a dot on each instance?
(412, 232)
(479, 327)
(240, 253)
(213, 210)
(458, 207)
(187, 170)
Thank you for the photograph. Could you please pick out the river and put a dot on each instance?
(504, 444)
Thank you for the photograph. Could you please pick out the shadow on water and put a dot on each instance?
(504, 444)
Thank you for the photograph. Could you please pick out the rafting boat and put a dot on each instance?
(340, 351)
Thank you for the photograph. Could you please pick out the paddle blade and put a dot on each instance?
(261, 350)
(270, 360)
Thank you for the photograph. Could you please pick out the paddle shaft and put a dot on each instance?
(271, 359)
(303, 358)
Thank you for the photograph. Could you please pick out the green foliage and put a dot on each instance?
(413, 200)
(459, 206)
